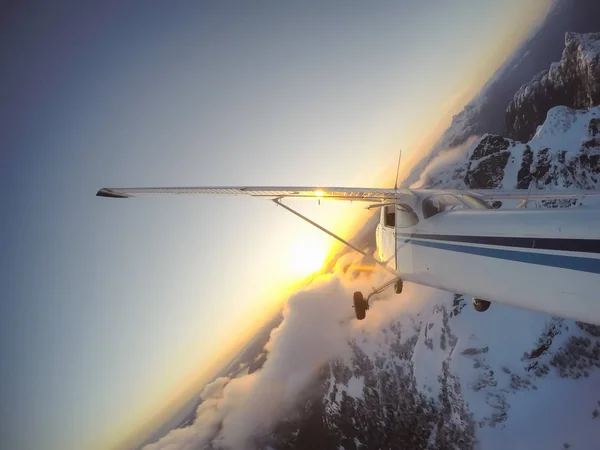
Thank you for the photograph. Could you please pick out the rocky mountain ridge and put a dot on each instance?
(564, 153)
(574, 82)
(488, 111)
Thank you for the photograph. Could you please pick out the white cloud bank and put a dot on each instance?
(318, 323)
(446, 159)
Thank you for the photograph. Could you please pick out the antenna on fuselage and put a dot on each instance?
(398, 172)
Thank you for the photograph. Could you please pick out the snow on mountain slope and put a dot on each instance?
(564, 153)
(574, 81)
(567, 129)
(494, 381)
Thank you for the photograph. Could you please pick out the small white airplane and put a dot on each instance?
(546, 260)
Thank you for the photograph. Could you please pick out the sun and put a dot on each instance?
(307, 256)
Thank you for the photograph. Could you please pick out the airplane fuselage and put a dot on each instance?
(542, 259)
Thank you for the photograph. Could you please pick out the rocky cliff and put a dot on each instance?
(574, 82)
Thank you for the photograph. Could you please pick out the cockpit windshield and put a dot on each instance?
(438, 203)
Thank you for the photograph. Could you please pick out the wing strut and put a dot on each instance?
(277, 201)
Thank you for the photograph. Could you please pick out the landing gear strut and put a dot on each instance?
(480, 305)
(361, 305)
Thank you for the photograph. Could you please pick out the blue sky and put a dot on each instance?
(112, 310)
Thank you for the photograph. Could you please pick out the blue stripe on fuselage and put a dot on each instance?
(578, 263)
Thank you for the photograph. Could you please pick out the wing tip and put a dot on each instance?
(105, 192)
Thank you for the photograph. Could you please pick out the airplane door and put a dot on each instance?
(386, 235)
(405, 221)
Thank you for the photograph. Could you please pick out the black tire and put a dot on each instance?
(480, 305)
(360, 305)
(398, 285)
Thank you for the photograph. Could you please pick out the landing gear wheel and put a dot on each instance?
(398, 285)
(480, 305)
(360, 305)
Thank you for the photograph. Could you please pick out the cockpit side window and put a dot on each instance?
(430, 207)
(401, 216)
(406, 217)
(438, 203)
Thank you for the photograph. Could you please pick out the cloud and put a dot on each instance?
(313, 332)
(446, 159)
(317, 326)
(215, 388)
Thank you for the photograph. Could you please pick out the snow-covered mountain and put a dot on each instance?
(449, 377)
(564, 152)
(573, 82)
(487, 112)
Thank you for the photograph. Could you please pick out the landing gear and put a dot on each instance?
(398, 286)
(361, 305)
(480, 305)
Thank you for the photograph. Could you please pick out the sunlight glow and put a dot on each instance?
(307, 256)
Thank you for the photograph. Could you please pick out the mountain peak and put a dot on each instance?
(574, 82)
(588, 44)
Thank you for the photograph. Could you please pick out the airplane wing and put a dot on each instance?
(523, 194)
(330, 193)
(339, 193)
